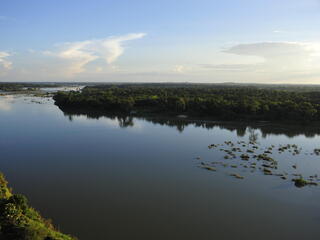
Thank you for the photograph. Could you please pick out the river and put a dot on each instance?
(119, 177)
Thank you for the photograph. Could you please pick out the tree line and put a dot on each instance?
(225, 103)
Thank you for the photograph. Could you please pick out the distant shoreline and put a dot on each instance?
(213, 103)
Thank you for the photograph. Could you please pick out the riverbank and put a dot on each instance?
(20, 221)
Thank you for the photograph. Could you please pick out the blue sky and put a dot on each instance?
(156, 41)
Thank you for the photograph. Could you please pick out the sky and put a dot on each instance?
(204, 41)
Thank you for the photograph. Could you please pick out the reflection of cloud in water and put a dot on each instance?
(103, 121)
(6, 102)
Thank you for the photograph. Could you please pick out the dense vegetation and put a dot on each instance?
(210, 101)
(19, 221)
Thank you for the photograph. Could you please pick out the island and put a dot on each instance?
(206, 101)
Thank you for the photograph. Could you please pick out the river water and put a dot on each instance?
(110, 177)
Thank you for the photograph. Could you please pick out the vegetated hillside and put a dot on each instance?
(20, 221)
(215, 101)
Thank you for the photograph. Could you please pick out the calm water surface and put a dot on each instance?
(116, 178)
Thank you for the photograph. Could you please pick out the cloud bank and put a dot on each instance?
(93, 60)
(282, 56)
(296, 62)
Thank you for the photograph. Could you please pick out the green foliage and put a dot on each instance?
(19, 221)
(225, 103)
(4, 190)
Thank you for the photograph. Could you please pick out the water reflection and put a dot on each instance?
(6, 102)
(121, 121)
(241, 128)
(132, 184)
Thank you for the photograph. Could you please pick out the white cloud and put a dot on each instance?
(111, 48)
(79, 54)
(229, 67)
(279, 31)
(30, 50)
(268, 49)
(6, 64)
(179, 69)
(272, 62)
(285, 57)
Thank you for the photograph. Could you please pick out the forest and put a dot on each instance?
(217, 102)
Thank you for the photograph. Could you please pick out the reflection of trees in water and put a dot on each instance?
(253, 135)
(125, 121)
(241, 129)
